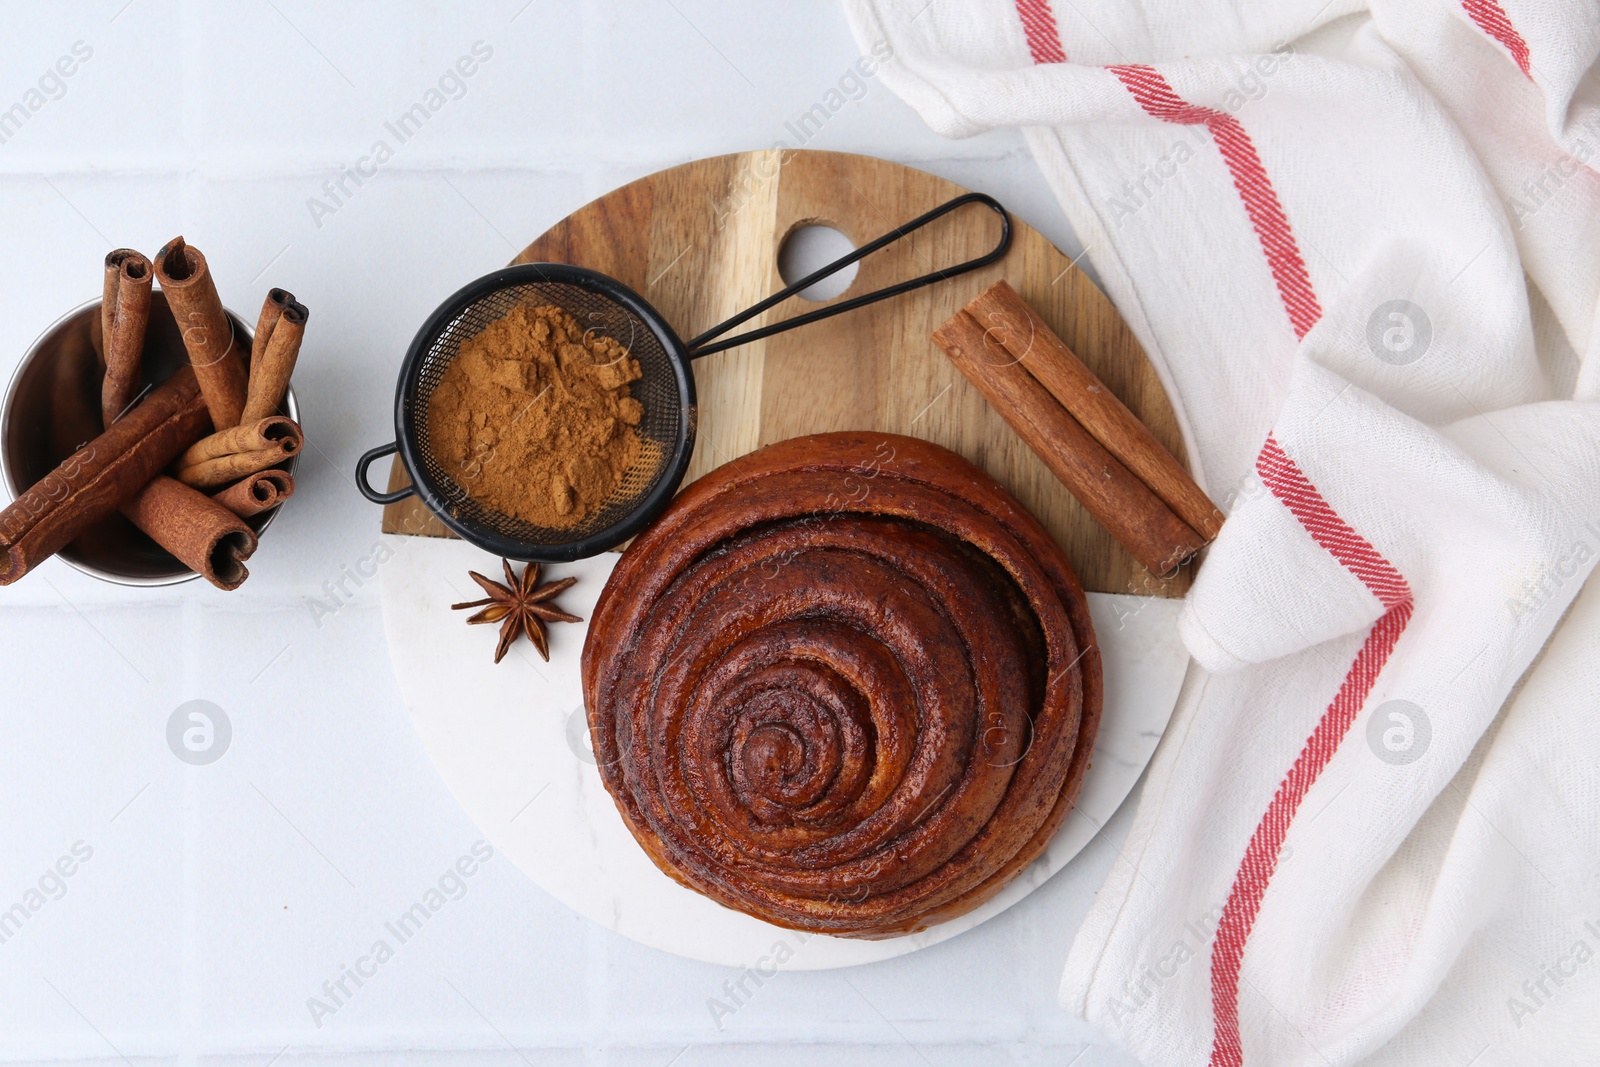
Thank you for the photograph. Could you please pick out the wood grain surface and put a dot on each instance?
(700, 242)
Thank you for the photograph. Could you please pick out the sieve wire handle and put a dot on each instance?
(365, 486)
(702, 346)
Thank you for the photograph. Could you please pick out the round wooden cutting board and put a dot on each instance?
(701, 242)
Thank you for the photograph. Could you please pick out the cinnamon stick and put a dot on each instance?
(257, 493)
(124, 316)
(271, 311)
(272, 361)
(273, 432)
(1099, 411)
(212, 473)
(207, 334)
(91, 483)
(205, 536)
(1108, 490)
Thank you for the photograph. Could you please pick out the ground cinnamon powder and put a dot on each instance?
(534, 418)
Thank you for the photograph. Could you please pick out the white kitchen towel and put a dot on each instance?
(1361, 242)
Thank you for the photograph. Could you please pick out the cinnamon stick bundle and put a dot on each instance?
(1095, 445)
(273, 432)
(124, 317)
(257, 493)
(279, 331)
(1107, 419)
(94, 481)
(205, 536)
(213, 473)
(207, 334)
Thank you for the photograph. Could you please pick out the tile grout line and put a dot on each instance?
(188, 983)
(228, 167)
(598, 949)
(191, 54)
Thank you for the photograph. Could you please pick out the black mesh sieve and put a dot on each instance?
(605, 307)
(657, 391)
(665, 389)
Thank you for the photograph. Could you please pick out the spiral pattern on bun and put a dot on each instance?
(844, 684)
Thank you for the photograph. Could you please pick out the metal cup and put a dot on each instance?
(52, 408)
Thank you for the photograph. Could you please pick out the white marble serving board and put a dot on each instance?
(512, 743)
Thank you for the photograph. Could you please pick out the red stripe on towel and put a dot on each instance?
(1261, 203)
(1492, 19)
(1039, 23)
(1290, 485)
(1261, 856)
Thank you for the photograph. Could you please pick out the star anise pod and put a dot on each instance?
(521, 606)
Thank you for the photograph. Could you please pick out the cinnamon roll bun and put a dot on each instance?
(845, 684)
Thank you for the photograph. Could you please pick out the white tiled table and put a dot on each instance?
(218, 899)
